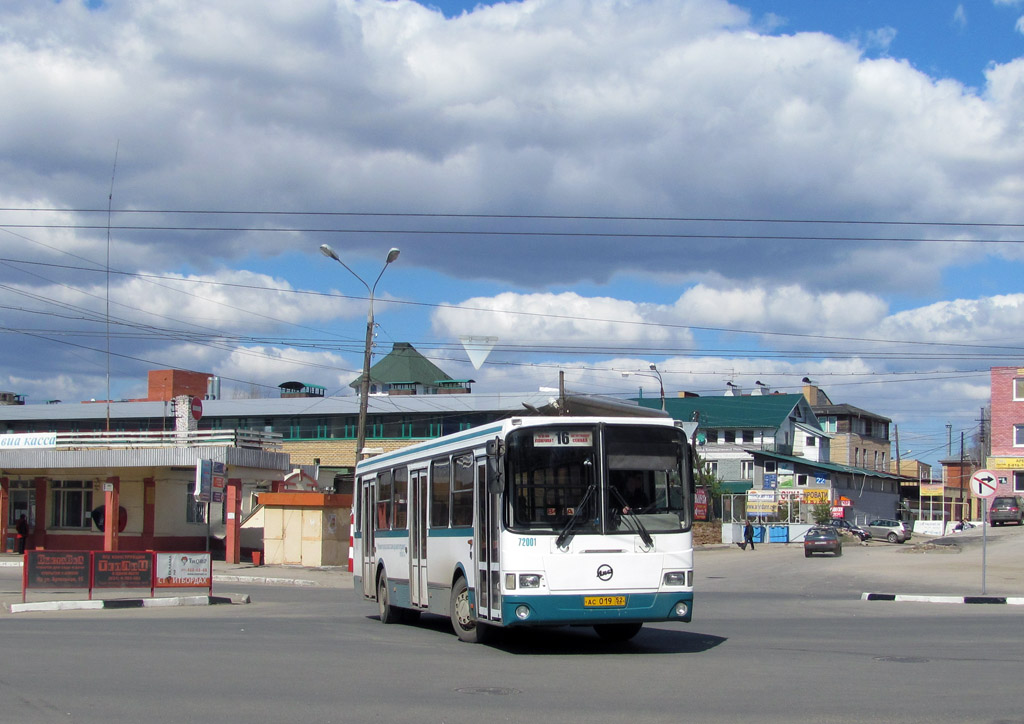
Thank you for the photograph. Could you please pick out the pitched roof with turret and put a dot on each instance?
(403, 364)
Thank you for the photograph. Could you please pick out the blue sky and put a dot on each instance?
(732, 191)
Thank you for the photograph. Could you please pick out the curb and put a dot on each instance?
(1011, 601)
(230, 578)
(126, 603)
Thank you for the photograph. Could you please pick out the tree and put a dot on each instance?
(704, 478)
(822, 512)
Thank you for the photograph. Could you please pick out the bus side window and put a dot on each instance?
(384, 488)
(462, 492)
(401, 483)
(440, 492)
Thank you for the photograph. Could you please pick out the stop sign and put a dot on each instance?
(197, 408)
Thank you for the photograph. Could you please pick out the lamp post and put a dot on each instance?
(364, 382)
(656, 376)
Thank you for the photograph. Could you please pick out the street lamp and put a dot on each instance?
(364, 383)
(657, 376)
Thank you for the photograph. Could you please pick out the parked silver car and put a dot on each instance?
(894, 531)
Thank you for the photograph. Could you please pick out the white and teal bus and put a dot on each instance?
(531, 521)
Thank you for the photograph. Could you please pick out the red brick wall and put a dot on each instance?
(1006, 412)
(168, 384)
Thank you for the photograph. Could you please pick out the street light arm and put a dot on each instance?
(364, 383)
(327, 251)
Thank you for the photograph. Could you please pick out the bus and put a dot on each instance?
(531, 521)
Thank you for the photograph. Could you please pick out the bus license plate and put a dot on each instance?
(603, 601)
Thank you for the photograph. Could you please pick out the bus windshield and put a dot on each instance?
(638, 473)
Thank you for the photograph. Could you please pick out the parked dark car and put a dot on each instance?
(845, 526)
(1006, 509)
(822, 539)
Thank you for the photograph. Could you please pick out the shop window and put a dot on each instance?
(23, 501)
(72, 501)
(195, 511)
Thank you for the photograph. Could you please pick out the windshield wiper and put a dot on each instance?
(627, 510)
(576, 514)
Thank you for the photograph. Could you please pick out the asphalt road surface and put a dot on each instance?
(775, 638)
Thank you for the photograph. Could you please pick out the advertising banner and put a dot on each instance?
(700, 504)
(122, 569)
(815, 497)
(761, 502)
(57, 569)
(184, 570)
(211, 481)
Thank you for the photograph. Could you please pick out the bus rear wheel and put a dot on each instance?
(463, 621)
(388, 613)
(617, 631)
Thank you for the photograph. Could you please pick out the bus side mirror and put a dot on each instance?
(495, 478)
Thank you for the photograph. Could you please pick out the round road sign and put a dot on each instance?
(197, 408)
(984, 483)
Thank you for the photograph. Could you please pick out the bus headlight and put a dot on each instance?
(522, 612)
(674, 578)
(529, 580)
(681, 609)
(510, 581)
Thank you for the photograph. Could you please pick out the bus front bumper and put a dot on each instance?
(590, 609)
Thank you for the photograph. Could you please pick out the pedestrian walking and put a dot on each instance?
(748, 536)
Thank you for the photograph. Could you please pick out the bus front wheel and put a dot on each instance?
(617, 631)
(388, 613)
(463, 621)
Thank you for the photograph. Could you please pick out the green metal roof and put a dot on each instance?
(746, 411)
(404, 365)
(832, 467)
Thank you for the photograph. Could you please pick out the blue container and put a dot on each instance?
(778, 534)
(759, 534)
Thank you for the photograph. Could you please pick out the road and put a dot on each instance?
(775, 638)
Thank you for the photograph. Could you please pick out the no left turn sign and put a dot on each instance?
(983, 484)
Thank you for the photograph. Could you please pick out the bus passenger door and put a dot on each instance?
(418, 538)
(488, 580)
(367, 511)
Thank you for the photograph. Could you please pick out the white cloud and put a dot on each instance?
(960, 16)
(567, 318)
(569, 106)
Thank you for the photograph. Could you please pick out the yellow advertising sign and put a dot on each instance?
(761, 502)
(1005, 464)
(814, 497)
(933, 489)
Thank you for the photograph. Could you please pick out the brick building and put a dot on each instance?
(1007, 436)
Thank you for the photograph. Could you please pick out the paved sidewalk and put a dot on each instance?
(224, 574)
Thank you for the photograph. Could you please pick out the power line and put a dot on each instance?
(520, 234)
(543, 315)
(525, 217)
